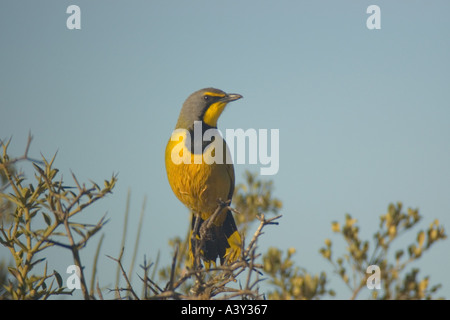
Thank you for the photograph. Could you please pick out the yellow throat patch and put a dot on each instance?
(215, 110)
(213, 113)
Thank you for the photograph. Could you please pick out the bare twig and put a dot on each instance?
(94, 267)
(258, 232)
(138, 236)
(21, 158)
(124, 274)
(172, 270)
(99, 292)
(76, 257)
(124, 233)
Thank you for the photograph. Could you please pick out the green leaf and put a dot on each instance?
(14, 272)
(80, 232)
(59, 279)
(47, 219)
(36, 262)
(421, 238)
(398, 254)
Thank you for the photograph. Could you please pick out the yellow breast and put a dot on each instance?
(200, 183)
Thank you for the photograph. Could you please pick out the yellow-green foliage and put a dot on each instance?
(290, 281)
(36, 215)
(396, 281)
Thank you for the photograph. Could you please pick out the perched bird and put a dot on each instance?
(200, 183)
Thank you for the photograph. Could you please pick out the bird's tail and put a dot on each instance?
(220, 241)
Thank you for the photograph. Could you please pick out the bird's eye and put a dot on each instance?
(206, 98)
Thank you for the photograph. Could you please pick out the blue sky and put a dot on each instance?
(363, 114)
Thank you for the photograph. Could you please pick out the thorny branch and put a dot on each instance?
(47, 195)
(209, 283)
(124, 274)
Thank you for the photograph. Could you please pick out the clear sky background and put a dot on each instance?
(364, 115)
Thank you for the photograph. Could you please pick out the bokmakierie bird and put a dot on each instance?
(199, 185)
